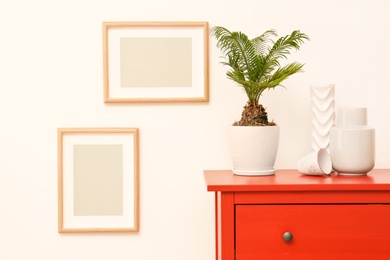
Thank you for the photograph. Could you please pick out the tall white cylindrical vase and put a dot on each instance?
(323, 115)
(352, 142)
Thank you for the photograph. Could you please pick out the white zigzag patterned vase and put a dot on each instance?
(323, 115)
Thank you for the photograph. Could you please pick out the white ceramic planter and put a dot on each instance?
(254, 149)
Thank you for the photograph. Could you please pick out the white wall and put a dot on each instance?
(51, 76)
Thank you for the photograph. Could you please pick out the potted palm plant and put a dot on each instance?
(255, 64)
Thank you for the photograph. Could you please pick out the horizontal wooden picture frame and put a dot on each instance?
(155, 62)
(98, 180)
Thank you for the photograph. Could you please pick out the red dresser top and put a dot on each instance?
(290, 180)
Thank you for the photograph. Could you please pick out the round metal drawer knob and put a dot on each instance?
(287, 236)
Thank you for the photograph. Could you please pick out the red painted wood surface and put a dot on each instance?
(319, 232)
(290, 180)
(227, 225)
(352, 211)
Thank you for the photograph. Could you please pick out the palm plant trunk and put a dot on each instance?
(254, 114)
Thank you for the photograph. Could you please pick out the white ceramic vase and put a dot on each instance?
(323, 115)
(254, 149)
(352, 142)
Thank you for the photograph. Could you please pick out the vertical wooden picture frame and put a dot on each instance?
(98, 180)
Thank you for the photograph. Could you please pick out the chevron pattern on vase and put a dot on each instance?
(323, 115)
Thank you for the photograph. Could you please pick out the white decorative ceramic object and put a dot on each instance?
(352, 117)
(315, 163)
(254, 149)
(323, 115)
(352, 146)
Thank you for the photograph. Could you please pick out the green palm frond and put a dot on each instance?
(284, 45)
(255, 63)
(283, 73)
(239, 51)
(281, 48)
(261, 42)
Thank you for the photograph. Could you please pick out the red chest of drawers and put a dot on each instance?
(293, 216)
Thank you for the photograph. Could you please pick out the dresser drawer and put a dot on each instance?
(351, 231)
